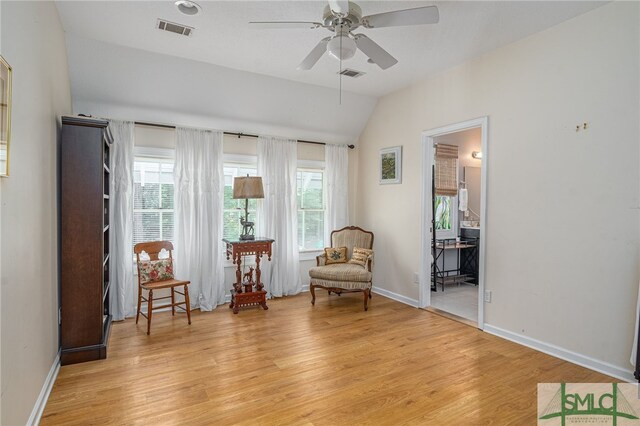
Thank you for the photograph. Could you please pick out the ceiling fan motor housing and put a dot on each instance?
(351, 21)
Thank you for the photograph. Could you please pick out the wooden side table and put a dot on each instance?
(246, 291)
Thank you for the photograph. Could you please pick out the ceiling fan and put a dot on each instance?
(342, 17)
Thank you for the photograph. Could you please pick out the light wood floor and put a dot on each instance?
(332, 364)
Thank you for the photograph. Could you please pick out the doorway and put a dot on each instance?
(454, 170)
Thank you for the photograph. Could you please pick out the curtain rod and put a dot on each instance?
(238, 134)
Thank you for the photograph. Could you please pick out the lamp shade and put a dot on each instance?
(248, 187)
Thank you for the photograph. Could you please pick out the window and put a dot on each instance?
(443, 212)
(446, 189)
(310, 192)
(310, 200)
(445, 216)
(234, 208)
(152, 200)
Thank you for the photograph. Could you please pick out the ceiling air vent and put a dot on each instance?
(172, 27)
(351, 73)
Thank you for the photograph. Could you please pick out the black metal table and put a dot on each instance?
(465, 270)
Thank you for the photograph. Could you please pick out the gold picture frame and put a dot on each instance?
(5, 116)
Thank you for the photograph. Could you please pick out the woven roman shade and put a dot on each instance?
(446, 170)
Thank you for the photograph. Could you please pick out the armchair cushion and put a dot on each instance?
(155, 270)
(347, 286)
(341, 272)
(335, 255)
(361, 256)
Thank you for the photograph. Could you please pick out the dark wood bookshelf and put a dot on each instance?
(85, 322)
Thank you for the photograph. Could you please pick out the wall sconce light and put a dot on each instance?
(477, 155)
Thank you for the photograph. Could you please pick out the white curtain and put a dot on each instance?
(278, 217)
(336, 170)
(123, 293)
(199, 186)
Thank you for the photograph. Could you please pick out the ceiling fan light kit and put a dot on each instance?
(342, 47)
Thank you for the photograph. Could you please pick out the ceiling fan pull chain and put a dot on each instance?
(340, 75)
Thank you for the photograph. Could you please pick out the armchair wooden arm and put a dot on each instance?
(370, 263)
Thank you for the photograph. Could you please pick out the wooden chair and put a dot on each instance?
(344, 277)
(153, 249)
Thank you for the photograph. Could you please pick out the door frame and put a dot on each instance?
(426, 210)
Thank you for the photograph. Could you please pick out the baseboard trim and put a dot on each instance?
(395, 296)
(41, 402)
(567, 355)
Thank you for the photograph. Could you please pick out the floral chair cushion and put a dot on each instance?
(335, 255)
(155, 270)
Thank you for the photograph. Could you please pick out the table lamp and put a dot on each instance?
(247, 187)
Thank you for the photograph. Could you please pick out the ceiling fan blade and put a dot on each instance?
(377, 54)
(339, 7)
(399, 18)
(315, 55)
(284, 25)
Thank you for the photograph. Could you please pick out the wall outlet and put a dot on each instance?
(416, 278)
(487, 296)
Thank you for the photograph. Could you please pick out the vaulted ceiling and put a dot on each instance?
(226, 54)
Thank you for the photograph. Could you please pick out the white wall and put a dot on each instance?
(562, 206)
(109, 79)
(33, 43)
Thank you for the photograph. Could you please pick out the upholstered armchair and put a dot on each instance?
(348, 267)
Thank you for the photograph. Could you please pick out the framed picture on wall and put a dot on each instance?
(391, 165)
(5, 116)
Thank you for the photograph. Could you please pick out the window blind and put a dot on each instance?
(310, 192)
(446, 170)
(152, 201)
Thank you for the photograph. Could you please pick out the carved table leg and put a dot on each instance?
(259, 285)
(238, 284)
